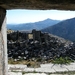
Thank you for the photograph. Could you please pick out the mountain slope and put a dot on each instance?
(65, 29)
(29, 26)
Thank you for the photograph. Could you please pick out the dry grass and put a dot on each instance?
(29, 63)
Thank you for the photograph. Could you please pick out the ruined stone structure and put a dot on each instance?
(36, 35)
(42, 46)
(24, 4)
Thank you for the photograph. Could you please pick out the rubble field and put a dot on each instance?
(37, 47)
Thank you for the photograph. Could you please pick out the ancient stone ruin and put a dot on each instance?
(40, 45)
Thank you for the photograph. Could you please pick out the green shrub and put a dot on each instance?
(62, 60)
(39, 59)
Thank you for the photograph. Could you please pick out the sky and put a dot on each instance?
(28, 16)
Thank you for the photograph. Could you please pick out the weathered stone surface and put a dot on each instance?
(38, 4)
(35, 74)
(3, 43)
(68, 69)
(13, 73)
(2, 16)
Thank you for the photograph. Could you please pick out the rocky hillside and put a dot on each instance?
(46, 46)
(64, 29)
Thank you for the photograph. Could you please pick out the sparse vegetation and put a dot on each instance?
(30, 63)
(23, 73)
(62, 60)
